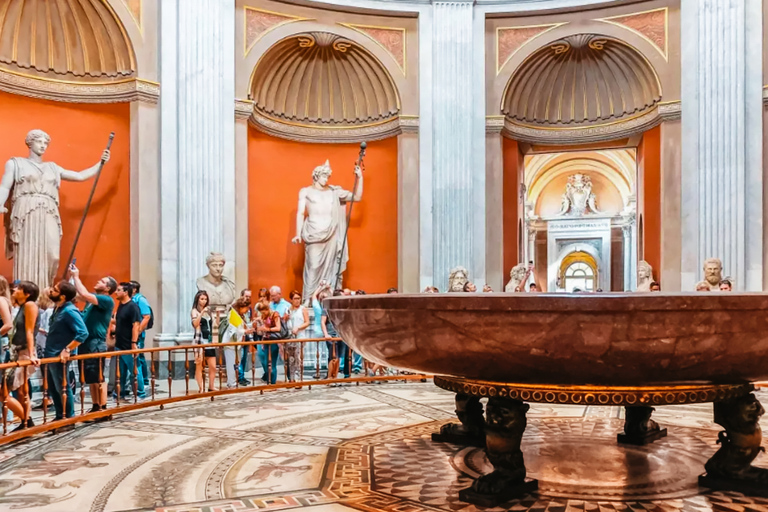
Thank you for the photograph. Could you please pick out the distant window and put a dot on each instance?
(579, 275)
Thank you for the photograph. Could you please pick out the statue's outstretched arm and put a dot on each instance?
(6, 184)
(86, 174)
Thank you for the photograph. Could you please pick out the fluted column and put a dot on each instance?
(457, 219)
(197, 207)
(722, 139)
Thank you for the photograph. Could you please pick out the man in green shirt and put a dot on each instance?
(97, 316)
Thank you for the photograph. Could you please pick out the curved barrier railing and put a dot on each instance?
(176, 360)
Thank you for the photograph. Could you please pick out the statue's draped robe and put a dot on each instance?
(324, 245)
(33, 229)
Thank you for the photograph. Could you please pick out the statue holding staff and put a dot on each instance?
(33, 228)
(321, 223)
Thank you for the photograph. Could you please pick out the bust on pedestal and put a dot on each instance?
(644, 276)
(221, 290)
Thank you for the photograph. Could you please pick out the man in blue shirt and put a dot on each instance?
(279, 304)
(66, 332)
(146, 314)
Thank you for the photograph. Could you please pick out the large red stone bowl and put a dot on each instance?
(598, 339)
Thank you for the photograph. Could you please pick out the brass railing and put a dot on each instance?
(44, 423)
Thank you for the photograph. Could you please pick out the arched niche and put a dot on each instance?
(322, 87)
(76, 51)
(580, 88)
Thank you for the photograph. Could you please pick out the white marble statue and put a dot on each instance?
(221, 290)
(644, 276)
(320, 224)
(517, 277)
(713, 273)
(33, 229)
(457, 279)
(578, 197)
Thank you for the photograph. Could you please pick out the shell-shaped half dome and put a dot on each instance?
(64, 39)
(319, 78)
(581, 80)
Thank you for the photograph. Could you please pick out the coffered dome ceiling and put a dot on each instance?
(320, 79)
(78, 40)
(581, 80)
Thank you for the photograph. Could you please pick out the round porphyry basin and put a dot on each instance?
(601, 339)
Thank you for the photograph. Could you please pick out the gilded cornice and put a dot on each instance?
(670, 110)
(131, 89)
(243, 108)
(333, 135)
(593, 133)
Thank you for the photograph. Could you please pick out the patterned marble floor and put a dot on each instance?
(363, 448)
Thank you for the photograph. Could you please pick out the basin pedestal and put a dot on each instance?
(736, 409)
(504, 429)
(639, 428)
(471, 430)
(730, 468)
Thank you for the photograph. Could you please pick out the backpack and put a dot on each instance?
(151, 322)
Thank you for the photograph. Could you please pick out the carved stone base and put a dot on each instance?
(639, 428)
(730, 468)
(747, 488)
(643, 439)
(505, 424)
(471, 430)
(469, 495)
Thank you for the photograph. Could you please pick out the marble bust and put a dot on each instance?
(33, 229)
(221, 290)
(713, 273)
(644, 276)
(578, 196)
(457, 279)
(320, 223)
(517, 277)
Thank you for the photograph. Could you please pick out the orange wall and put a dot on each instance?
(513, 168)
(649, 163)
(278, 169)
(79, 134)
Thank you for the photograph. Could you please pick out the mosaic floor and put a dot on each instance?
(364, 448)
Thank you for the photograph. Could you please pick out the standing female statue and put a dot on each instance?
(33, 230)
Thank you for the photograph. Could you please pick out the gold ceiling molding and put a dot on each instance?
(509, 40)
(328, 135)
(390, 39)
(578, 81)
(321, 81)
(653, 26)
(81, 40)
(126, 90)
(260, 21)
(134, 7)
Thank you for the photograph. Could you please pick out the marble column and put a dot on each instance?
(408, 209)
(145, 198)
(458, 185)
(626, 231)
(243, 111)
(197, 175)
(494, 186)
(671, 241)
(722, 183)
